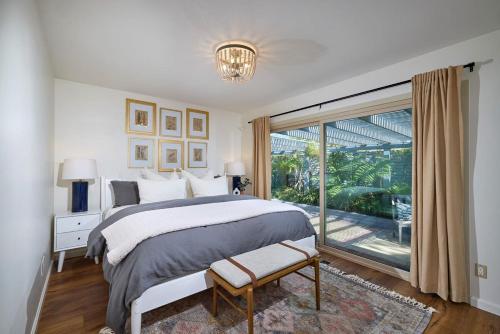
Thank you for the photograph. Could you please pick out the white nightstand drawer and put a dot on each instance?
(72, 239)
(76, 223)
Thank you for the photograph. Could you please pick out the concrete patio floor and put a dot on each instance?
(363, 235)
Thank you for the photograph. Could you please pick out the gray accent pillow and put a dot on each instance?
(125, 193)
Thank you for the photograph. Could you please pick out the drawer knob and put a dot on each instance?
(78, 238)
(79, 223)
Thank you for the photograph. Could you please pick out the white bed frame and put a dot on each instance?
(168, 292)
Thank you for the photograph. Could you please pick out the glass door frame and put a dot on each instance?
(376, 107)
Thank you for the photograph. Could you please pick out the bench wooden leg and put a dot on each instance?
(250, 310)
(278, 282)
(214, 300)
(316, 282)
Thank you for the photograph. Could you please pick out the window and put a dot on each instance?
(366, 180)
(295, 169)
(368, 164)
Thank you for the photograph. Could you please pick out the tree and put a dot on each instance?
(295, 176)
(361, 180)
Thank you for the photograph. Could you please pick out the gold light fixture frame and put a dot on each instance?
(236, 60)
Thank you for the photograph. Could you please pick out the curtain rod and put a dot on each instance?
(470, 66)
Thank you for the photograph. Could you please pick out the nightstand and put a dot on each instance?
(71, 230)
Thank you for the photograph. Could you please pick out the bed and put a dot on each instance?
(171, 266)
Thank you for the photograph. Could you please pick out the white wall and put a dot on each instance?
(90, 122)
(483, 140)
(26, 168)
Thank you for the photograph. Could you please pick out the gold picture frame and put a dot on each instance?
(166, 116)
(144, 119)
(197, 154)
(201, 125)
(178, 155)
(141, 152)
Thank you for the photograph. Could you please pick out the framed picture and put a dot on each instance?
(197, 124)
(141, 153)
(141, 117)
(170, 155)
(170, 123)
(197, 156)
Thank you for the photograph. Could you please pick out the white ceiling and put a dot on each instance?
(165, 48)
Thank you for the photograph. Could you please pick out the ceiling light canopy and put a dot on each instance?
(236, 60)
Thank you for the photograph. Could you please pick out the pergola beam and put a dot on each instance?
(380, 125)
(346, 130)
(382, 147)
(314, 136)
(387, 121)
(331, 135)
(382, 130)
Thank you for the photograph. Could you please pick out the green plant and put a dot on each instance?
(295, 176)
(360, 180)
(242, 185)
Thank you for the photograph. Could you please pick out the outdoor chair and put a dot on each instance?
(401, 214)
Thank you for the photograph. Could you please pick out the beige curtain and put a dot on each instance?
(262, 157)
(438, 244)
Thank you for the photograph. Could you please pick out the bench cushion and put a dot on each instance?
(262, 262)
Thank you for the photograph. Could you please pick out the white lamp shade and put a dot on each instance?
(236, 168)
(79, 169)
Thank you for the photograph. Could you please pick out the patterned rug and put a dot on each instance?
(349, 304)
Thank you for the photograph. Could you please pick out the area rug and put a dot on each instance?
(349, 304)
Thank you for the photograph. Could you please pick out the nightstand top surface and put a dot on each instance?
(75, 214)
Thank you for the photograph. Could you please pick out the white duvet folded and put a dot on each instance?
(125, 234)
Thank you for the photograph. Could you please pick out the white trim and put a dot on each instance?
(485, 305)
(34, 326)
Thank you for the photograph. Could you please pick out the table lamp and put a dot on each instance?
(235, 169)
(79, 170)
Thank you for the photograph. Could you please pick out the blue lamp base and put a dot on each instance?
(236, 182)
(80, 196)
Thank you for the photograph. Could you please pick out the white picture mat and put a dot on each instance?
(203, 117)
(133, 142)
(163, 122)
(197, 164)
(149, 109)
(174, 146)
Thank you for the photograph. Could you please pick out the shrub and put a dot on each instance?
(357, 181)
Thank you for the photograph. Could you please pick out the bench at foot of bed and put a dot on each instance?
(241, 274)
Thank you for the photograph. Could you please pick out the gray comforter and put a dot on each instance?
(180, 253)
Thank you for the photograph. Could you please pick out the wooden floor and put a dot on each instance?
(77, 297)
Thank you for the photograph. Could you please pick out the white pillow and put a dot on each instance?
(157, 191)
(187, 175)
(150, 175)
(208, 187)
(209, 175)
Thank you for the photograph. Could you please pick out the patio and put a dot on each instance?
(366, 236)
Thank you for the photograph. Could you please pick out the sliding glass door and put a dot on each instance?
(362, 168)
(367, 186)
(295, 169)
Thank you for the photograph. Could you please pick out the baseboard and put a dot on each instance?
(34, 326)
(485, 305)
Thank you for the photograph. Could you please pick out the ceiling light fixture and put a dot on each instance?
(236, 60)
